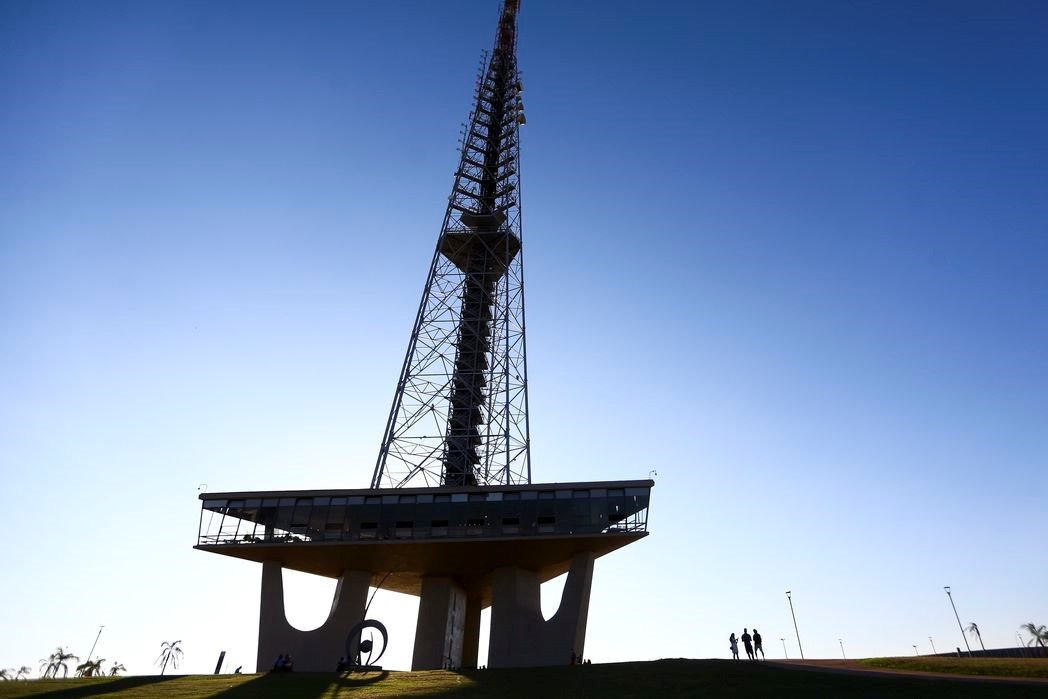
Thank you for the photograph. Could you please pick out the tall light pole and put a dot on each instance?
(94, 644)
(948, 594)
(788, 655)
(915, 649)
(842, 649)
(934, 652)
(799, 646)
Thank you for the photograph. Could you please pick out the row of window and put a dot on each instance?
(425, 498)
(233, 530)
(593, 511)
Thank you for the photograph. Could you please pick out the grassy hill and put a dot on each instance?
(660, 679)
(983, 667)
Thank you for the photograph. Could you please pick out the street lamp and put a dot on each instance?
(94, 644)
(842, 649)
(934, 652)
(788, 655)
(799, 646)
(915, 649)
(948, 594)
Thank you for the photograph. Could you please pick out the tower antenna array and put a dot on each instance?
(460, 412)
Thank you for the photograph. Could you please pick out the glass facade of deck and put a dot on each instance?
(274, 518)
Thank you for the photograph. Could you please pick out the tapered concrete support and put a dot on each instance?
(471, 632)
(519, 635)
(312, 651)
(440, 626)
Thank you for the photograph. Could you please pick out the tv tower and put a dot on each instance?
(451, 515)
(460, 413)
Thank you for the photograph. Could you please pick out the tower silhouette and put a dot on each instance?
(451, 515)
(460, 412)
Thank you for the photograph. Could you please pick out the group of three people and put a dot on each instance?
(752, 643)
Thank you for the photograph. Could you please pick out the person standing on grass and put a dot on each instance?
(734, 646)
(757, 644)
(747, 641)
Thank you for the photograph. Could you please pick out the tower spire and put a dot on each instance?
(459, 415)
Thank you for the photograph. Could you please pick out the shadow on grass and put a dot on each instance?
(711, 679)
(664, 679)
(106, 686)
(301, 685)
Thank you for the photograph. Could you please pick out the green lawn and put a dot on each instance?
(987, 667)
(661, 679)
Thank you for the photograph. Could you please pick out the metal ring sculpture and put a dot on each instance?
(367, 646)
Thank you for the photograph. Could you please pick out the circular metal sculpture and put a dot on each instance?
(365, 645)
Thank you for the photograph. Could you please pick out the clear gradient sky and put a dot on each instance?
(791, 255)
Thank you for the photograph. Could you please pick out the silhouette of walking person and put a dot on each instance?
(747, 641)
(757, 644)
(734, 646)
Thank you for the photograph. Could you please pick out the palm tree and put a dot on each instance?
(169, 652)
(973, 628)
(56, 660)
(23, 672)
(7, 674)
(90, 668)
(1039, 633)
(116, 669)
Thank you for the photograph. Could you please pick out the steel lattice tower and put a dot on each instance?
(459, 420)
(460, 413)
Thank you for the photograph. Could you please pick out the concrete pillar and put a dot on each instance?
(440, 626)
(312, 651)
(471, 632)
(516, 617)
(519, 635)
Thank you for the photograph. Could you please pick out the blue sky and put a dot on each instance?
(791, 255)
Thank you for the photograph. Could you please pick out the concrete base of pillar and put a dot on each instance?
(312, 651)
(440, 626)
(519, 635)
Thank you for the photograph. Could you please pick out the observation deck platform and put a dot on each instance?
(401, 536)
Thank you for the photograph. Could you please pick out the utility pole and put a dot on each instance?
(799, 646)
(959, 625)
